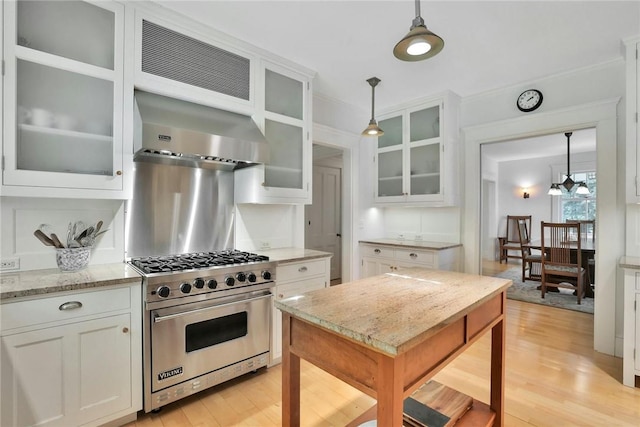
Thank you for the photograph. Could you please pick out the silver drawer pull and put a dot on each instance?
(302, 269)
(413, 255)
(71, 305)
(376, 251)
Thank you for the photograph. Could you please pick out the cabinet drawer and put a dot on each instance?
(377, 251)
(52, 309)
(428, 258)
(300, 270)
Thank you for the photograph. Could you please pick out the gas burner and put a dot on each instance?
(195, 260)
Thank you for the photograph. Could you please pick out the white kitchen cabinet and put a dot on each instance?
(284, 117)
(75, 366)
(63, 100)
(631, 345)
(380, 258)
(292, 279)
(632, 64)
(416, 160)
(179, 58)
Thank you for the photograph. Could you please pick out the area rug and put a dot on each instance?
(526, 291)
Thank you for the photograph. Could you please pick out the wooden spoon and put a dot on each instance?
(44, 238)
(56, 241)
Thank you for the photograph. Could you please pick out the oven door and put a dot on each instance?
(193, 339)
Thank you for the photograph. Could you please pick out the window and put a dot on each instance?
(576, 206)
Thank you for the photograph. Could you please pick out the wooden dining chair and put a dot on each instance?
(531, 262)
(562, 263)
(510, 243)
(588, 233)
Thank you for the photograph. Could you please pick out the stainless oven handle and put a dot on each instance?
(157, 319)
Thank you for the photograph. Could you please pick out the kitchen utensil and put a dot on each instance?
(98, 226)
(83, 238)
(57, 241)
(43, 238)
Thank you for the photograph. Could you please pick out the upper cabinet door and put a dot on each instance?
(391, 159)
(284, 117)
(63, 98)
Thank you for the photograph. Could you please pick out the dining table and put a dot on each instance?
(588, 250)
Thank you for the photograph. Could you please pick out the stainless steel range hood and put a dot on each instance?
(179, 132)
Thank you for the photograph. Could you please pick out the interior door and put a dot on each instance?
(323, 218)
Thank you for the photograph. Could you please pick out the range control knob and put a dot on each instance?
(198, 283)
(163, 291)
(230, 281)
(185, 288)
(212, 284)
(251, 277)
(241, 277)
(266, 275)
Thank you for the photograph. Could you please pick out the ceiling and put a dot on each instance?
(488, 44)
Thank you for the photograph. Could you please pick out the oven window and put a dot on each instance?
(215, 331)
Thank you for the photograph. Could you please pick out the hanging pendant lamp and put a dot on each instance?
(419, 43)
(373, 129)
(568, 183)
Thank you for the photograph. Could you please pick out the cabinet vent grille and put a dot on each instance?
(168, 54)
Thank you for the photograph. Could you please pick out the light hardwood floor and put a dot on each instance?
(553, 378)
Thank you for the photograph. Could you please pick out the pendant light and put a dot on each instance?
(568, 183)
(419, 43)
(373, 129)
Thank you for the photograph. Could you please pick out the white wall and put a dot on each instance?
(269, 226)
(20, 217)
(534, 174)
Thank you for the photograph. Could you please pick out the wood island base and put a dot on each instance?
(390, 378)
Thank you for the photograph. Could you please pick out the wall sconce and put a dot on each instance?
(525, 193)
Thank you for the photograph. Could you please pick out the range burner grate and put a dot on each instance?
(195, 260)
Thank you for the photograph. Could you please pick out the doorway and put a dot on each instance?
(323, 218)
(601, 115)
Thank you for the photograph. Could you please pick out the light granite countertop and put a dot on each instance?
(282, 255)
(41, 282)
(630, 262)
(394, 311)
(417, 244)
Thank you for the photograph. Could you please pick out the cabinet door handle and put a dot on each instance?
(71, 305)
(413, 255)
(125, 330)
(119, 173)
(302, 269)
(376, 251)
(280, 295)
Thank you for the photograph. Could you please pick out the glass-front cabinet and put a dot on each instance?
(285, 121)
(63, 96)
(414, 156)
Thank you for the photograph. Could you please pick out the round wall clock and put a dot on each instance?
(529, 100)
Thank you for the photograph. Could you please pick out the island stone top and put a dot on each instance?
(375, 311)
(417, 244)
(40, 282)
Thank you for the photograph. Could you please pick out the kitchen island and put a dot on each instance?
(387, 335)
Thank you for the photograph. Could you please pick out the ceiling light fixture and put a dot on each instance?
(568, 183)
(373, 129)
(419, 43)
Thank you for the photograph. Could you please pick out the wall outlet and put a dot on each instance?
(418, 237)
(10, 264)
(265, 245)
(400, 236)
